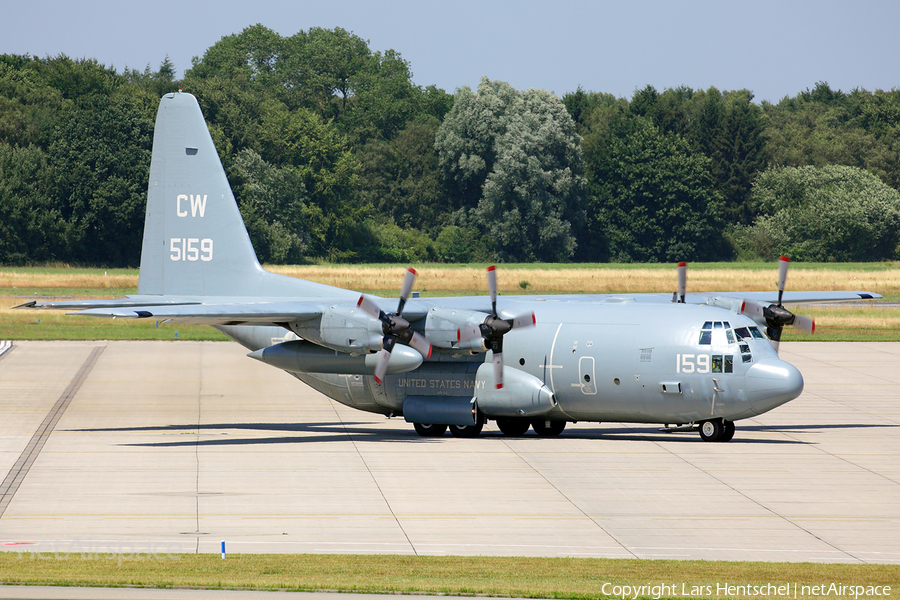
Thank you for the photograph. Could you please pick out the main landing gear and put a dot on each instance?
(717, 430)
(430, 429)
(509, 426)
(518, 426)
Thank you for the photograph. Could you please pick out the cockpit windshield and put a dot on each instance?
(720, 332)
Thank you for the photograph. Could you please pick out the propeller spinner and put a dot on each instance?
(395, 327)
(493, 328)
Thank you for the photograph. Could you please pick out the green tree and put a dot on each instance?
(31, 229)
(734, 143)
(99, 163)
(514, 163)
(652, 198)
(328, 170)
(822, 127)
(400, 178)
(273, 203)
(832, 213)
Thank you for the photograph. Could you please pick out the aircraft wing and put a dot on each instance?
(812, 297)
(238, 313)
(790, 297)
(128, 301)
(225, 311)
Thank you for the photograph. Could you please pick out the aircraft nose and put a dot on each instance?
(771, 383)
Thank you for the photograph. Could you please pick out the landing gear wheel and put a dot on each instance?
(429, 430)
(466, 431)
(547, 428)
(513, 426)
(729, 431)
(716, 430)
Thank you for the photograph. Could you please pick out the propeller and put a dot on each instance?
(776, 315)
(493, 328)
(395, 327)
(682, 282)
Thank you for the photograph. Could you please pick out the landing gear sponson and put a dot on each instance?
(713, 430)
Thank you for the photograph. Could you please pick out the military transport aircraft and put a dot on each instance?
(700, 360)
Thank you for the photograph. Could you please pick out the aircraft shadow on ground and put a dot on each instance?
(365, 432)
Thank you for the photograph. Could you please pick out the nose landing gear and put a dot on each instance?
(717, 430)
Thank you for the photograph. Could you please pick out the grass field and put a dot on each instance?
(847, 323)
(447, 575)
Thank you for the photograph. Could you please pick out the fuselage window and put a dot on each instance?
(747, 358)
(745, 348)
(723, 364)
(757, 334)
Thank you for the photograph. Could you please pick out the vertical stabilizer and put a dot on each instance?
(195, 242)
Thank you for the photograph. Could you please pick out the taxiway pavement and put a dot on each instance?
(172, 447)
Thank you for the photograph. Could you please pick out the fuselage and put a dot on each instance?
(612, 360)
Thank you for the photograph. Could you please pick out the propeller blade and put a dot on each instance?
(784, 264)
(682, 281)
(523, 321)
(369, 307)
(498, 369)
(408, 281)
(422, 345)
(492, 286)
(381, 368)
(753, 309)
(804, 323)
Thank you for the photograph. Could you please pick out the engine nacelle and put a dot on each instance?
(304, 357)
(344, 328)
(442, 327)
(522, 395)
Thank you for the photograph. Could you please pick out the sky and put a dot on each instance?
(775, 48)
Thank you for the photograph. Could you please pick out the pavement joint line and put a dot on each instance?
(377, 485)
(775, 513)
(569, 500)
(26, 459)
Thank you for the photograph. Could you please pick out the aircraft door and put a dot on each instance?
(587, 376)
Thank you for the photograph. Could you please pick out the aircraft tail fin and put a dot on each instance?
(195, 242)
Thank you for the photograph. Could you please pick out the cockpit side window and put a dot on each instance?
(742, 334)
(757, 334)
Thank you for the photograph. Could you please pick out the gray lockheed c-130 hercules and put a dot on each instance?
(703, 360)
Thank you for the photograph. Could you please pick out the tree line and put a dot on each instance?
(335, 154)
